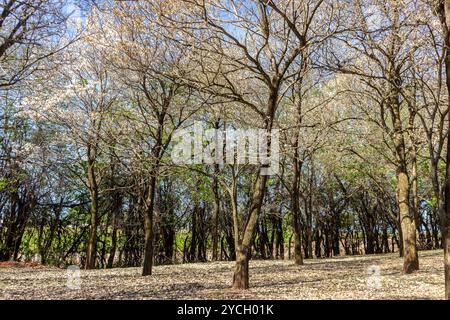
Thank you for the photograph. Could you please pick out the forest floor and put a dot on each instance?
(362, 277)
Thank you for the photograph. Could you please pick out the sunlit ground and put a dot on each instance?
(364, 277)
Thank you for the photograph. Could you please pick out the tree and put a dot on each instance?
(31, 34)
(158, 102)
(259, 46)
(443, 10)
(80, 101)
(381, 52)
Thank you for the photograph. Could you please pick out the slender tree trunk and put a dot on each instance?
(7, 252)
(296, 209)
(24, 213)
(446, 244)
(216, 210)
(297, 233)
(92, 242)
(112, 252)
(148, 224)
(309, 215)
(445, 215)
(414, 189)
(93, 188)
(279, 244)
(116, 208)
(309, 235)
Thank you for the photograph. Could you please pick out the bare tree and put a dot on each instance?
(30, 33)
(380, 48)
(443, 10)
(258, 49)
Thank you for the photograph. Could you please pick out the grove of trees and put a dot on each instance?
(93, 94)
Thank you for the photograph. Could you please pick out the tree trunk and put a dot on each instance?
(93, 189)
(298, 249)
(241, 275)
(216, 210)
(406, 215)
(408, 225)
(92, 242)
(242, 247)
(215, 233)
(444, 14)
(414, 188)
(309, 235)
(112, 252)
(279, 243)
(296, 208)
(297, 231)
(446, 244)
(148, 222)
(6, 253)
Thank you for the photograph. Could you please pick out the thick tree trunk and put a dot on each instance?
(408, 225)
(242, 247)
(406, 214)
(241, 275)
(298, 249)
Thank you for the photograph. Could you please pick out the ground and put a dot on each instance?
(363, 277)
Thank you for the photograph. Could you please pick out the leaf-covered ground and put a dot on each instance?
(364, 277)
